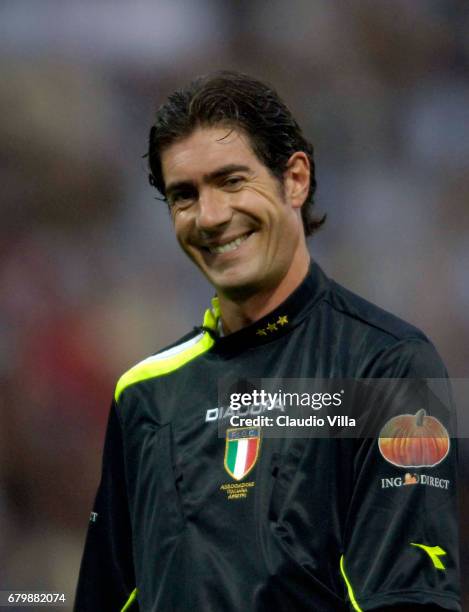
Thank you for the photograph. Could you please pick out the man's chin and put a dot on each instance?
(234, 285)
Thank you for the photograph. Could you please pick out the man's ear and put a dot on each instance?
(296, 179)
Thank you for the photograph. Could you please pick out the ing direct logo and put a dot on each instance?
(411, 479)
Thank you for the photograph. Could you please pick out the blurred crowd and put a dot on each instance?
(91, 277)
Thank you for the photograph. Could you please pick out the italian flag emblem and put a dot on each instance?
(241, 450)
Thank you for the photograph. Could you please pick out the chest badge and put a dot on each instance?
(241, 450)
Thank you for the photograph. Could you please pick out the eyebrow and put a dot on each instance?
(211, 177)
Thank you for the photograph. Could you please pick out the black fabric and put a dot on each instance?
(106, 574)
(165, 492)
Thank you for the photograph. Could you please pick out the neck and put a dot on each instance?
(237, 314)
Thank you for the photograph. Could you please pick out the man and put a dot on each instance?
(187, 520)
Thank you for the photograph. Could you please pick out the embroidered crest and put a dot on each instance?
(241, 450)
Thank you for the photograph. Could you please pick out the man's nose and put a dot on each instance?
(214, 210)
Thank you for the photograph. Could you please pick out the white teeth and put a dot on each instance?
(230, 246)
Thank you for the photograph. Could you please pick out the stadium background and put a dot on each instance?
(90, 274)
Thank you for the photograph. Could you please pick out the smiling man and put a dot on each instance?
(236, 221)
(191, 519)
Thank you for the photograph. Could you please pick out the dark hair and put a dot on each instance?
(241, 102)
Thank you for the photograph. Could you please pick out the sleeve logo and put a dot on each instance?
(434, 552)
(414, 440)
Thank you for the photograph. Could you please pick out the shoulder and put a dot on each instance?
(167, 360)
(388, 344)
(370, 317)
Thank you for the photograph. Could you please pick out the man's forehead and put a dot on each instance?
(204, 151)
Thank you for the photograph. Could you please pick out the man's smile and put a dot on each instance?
(227, 245)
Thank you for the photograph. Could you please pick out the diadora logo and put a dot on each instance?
(434, 552)
(221, 412)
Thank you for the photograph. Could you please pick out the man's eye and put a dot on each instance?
(233, 181)
(181, 199)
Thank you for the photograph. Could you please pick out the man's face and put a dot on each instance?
(231, 216)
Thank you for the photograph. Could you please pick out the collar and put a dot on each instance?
(278, 322)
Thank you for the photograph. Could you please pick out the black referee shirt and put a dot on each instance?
(187, 519)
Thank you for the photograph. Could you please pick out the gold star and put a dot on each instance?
(271, 327)
(282, 320)
(261, 332)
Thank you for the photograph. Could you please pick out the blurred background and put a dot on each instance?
(90, 274)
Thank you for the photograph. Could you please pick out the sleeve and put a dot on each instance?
(106, 581)
(401, 537)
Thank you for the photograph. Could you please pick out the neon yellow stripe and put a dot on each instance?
(351, 594)
(130, 601)
(212, 315)
(150, 369)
